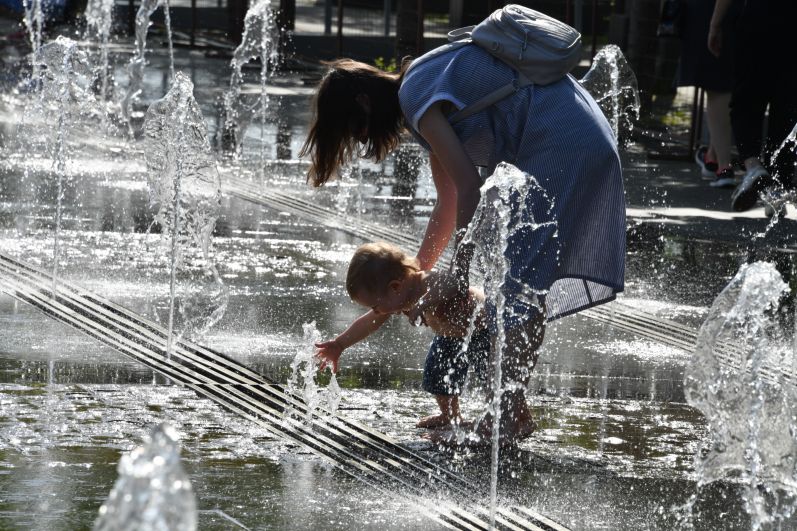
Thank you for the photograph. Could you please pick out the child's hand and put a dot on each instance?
(328, 354)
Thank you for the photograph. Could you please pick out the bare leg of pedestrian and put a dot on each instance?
(718, 116)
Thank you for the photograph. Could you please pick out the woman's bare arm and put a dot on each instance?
(448, 150)
(461, 172)
(443, 218)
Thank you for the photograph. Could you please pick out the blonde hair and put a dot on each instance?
(375, 265)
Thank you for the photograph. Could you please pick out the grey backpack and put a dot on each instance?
(540, 48)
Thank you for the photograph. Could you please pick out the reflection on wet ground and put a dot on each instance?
(615, 441)
(610, 405)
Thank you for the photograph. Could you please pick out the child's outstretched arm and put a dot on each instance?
(329, 352)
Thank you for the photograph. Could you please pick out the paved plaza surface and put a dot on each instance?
(616, 441)
(671, 195)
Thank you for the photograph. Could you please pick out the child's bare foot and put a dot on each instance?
(449, 413)
(434, 421)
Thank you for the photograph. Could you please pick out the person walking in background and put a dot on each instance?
(698, 67)
(764, 75)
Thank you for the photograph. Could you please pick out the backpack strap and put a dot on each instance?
(490, 99)
(460, 33)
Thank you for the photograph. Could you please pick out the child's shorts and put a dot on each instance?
(447, 366)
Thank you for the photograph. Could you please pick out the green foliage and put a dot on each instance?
(382, 64)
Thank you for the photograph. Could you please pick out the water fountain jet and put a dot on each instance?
(748, 401)
(153, 491)
(494, 223)
(65, 80)
(138, 62)
(186, 187)
(34, 23)
(257, 42)
(613, 85)
(99, 17)
(303, 380)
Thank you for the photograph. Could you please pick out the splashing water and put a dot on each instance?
(304, 370)
(502, 213)
(152, 492)
(65, 79)
(185, 186)
(137, 63)
(742, 379)
(791, 139)
(34, 23)
(257, 42)
(99, 17)
(612, 83)
(778, 199)
(167, 20)
(775, 198)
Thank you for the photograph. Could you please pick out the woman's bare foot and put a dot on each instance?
(480, 436)
(434, 421)
(516, 425)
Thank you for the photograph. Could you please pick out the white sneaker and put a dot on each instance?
(754, 182)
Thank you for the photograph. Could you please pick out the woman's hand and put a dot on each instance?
(328, 354)
(715, 26)
(715, 40)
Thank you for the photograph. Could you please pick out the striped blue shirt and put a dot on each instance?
(557, 134)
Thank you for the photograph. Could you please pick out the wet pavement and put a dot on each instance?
(616, 439)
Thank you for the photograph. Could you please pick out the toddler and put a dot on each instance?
(388, 281)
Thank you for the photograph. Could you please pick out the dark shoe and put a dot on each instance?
(747, 193)
(723, 179)
(708, 169)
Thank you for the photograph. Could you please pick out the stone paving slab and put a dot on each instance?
(671, 196)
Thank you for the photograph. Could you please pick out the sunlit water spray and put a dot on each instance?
(742, 378)
(775, 198)
(138, 62)
(257, 42)
(613, 85)
(502, 214)
(185, 186)
(790, 142)
(152, 492)
(303, 379)
(34, 24)
(65, 93)
(99, 17)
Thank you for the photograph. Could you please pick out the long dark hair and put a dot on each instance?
(339, 120)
